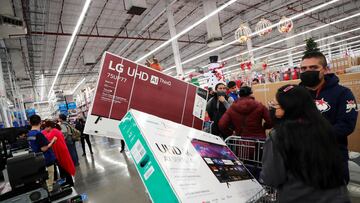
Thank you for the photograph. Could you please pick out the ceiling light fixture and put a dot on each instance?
(299, 34)
(42, 89)
(77, 27)
(259, 31)
(187, 30)
(78, 85)
(301, 53)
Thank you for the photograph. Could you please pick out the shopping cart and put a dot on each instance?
(249, 151)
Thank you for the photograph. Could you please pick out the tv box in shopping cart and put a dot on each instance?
(181, 164)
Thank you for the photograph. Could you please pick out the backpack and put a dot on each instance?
(75, 134)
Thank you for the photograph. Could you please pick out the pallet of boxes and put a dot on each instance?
(345, 64)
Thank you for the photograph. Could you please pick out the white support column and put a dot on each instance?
(212, 24)
(251, 53)
(329, 41)
(290, 43)
(174, 43)
(3, 103)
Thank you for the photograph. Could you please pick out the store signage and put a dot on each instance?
(181, 164)
(71, 105)
(62, 107)
(124, 84)
(30, 112)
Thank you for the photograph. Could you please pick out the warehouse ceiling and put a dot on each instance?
(108, 27)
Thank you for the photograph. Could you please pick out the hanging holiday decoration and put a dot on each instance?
(249, 65)
(285, 25)
(242, 66)
(242, 34)
(264, 66)
(263, 27)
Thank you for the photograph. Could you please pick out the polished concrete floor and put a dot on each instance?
(109, 176)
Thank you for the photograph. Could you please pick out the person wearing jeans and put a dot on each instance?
(70, 143)
(80, 125)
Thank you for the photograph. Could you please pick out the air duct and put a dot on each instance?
(212, 24)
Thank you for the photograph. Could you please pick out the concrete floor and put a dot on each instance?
(109, 176)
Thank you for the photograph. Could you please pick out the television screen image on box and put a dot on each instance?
(221, 161)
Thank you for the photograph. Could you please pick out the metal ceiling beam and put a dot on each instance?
(233, 20)
(107, 36)
(164, 23)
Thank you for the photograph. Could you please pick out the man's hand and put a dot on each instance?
(222, 99)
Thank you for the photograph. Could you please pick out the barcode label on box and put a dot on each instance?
(149, 172)
(138, 151)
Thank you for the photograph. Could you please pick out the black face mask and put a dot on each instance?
(310, 78)
(273, 117)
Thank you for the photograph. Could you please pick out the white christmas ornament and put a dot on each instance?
(242, 33)
(286, 25)
(263, 27)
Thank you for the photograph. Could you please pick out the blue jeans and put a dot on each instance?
(73, 153)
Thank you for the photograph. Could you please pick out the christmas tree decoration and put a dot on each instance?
(311, 46)
(242, 34)
(285, 25)
(263, 27)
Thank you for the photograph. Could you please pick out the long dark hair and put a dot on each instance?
(307, 141)
(52, 124)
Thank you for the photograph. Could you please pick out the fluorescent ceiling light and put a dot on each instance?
(42, 83)
(77, 27)
(301, 53)
(299, 34)
(255, 33)
(280, 62)
(78, 85)
(187, 29)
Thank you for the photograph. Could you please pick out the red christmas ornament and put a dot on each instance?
(242, 66)
(248, 64)
(264, 66)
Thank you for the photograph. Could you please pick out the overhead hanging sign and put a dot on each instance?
(124, 84)
(181, 164)
(71, 105)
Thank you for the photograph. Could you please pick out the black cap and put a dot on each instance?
(213, 59)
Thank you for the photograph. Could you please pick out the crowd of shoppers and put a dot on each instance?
(305, 155)
(56, 140)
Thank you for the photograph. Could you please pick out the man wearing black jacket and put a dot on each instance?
(336, 103)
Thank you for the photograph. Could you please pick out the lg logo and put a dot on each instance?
(119, 67)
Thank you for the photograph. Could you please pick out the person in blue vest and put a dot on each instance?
(335, 102)
(39, 143)
(233, 95)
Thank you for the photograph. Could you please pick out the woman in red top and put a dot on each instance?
(64, 161)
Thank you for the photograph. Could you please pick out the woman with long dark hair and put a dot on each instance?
(301, 157)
